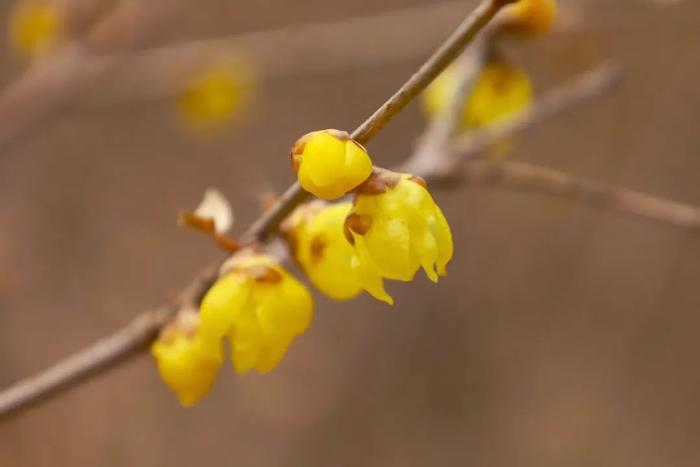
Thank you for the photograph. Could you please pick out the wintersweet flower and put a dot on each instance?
(215, 95)
(188, 363)
(35, 27)
(501, 91)
(329, 163)
(395, 228)
(260, 307)
(315, 234)
(532, 17)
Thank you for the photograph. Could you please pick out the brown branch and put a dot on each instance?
(543, 180)
(291, 51)
(51, 84)
(99, 357)
(276, 54)
(124, 343)
(581, 88)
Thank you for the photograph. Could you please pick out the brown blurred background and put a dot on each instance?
(565, 335)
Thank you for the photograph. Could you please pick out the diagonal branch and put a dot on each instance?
(331, 46)
(536, 179)
(51, 84)
(442, 165)
(124, 343)
(104, 354)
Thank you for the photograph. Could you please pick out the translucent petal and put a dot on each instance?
(273, 354)
(246, 347)
(188, 366)
(222, 303)
(425, 246)
(443, 238)
(367, 272)
(325, 254)
(286, 309)
(388, 243)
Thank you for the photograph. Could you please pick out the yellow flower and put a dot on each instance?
(35, 27)
(532, 17)
(329, 163)
(260, 307)
(319, 246)
(395, 228)
(500, 91)
(215, 95)
(187, 362)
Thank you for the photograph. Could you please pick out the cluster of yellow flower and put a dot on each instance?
(390, 229)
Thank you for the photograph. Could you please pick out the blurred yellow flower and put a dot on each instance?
(329, 163)
(395, 228)
(216, 95)
(187, 362)
(260, 307)
(532, 17)
(319, 246)
(500, 91)
(36, 27)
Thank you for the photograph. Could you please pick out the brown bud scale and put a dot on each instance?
(358, 223)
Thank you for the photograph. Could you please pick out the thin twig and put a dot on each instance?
(123, 343)
(473, 144)
(543, 180)
(432, 145)
(51, 84)
(277, 54)
(565, 96)
(334, 46)
(99, 357)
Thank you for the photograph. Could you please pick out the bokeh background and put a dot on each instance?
(564, 335)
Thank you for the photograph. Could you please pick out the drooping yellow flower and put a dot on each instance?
(329, 163)
(396, 228)
(315, 233)
(187, 362)
(532, 17)
(216, 95)
(36, 27)
(260, 307)
(501, 91)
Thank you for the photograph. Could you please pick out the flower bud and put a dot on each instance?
(395, 228)
(329, 163)
(187, 362)
(260, 308)
(532, 17)
(315, 233)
